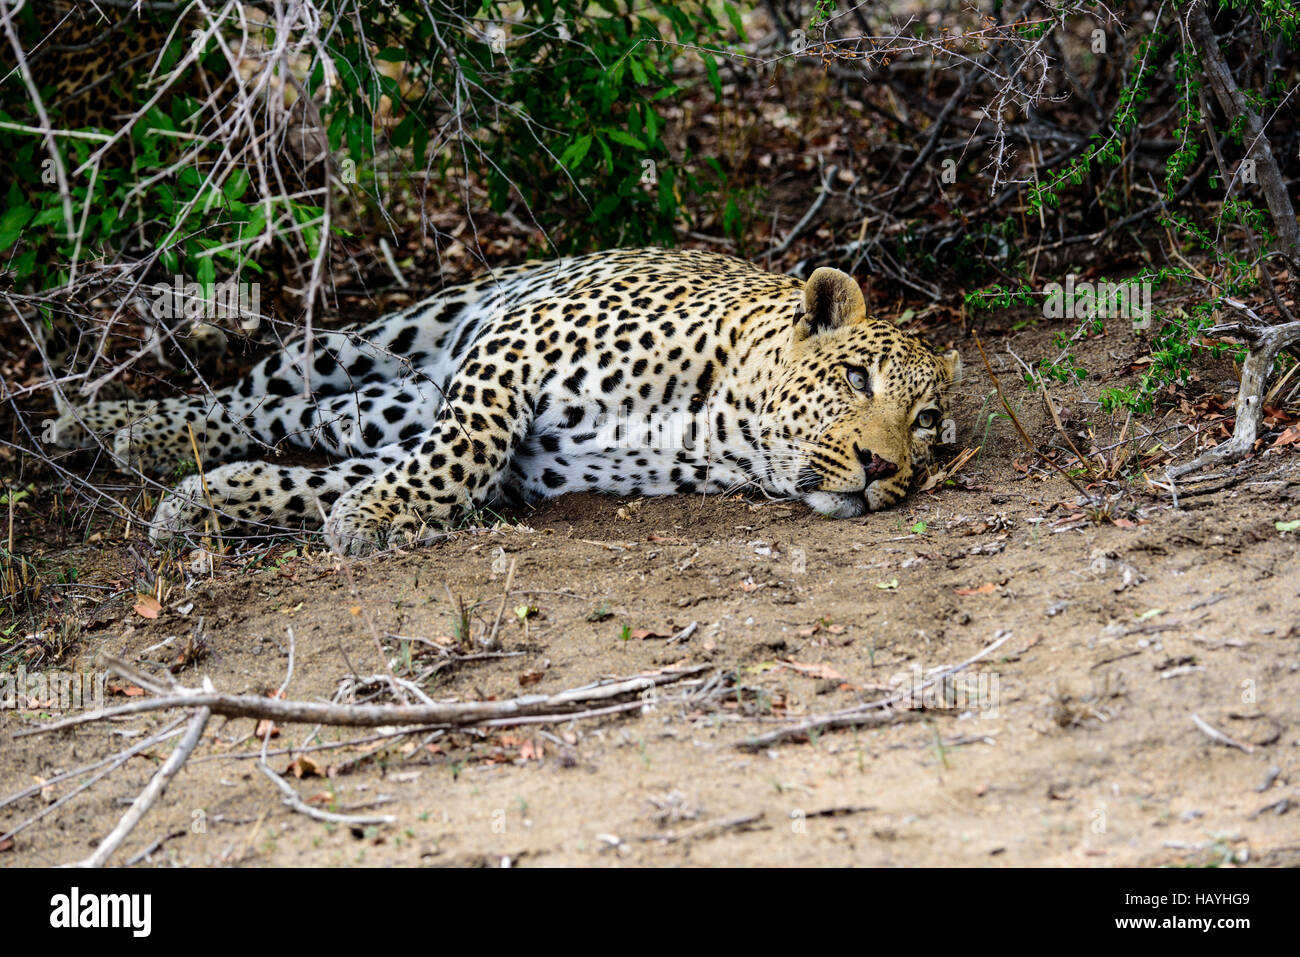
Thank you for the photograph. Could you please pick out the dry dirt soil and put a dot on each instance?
(1083, 751)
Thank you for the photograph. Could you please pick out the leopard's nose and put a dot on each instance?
(875, 467)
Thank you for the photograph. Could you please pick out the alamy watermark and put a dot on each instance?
(636, 430)
(74, 909)
(1098, 300)
(228, 300)
(52, 690)
(978, 692)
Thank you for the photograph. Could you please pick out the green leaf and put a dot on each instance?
(16, 218)
(734, 16)
(236, 185)
(24, 265)
(651, 125)
(711, 66)
(667, 198)
(401, 134)
(576, 152)
(256, 222)
(421, 143)
(48, 216)
(627, 139)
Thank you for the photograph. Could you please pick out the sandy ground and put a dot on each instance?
(1082, 751)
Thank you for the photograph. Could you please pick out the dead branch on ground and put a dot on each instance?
(451, 714)
(880, 711)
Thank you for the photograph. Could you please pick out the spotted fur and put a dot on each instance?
(636, 372)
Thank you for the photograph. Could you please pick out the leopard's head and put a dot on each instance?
(858, 405)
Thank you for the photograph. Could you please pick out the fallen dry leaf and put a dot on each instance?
(47, 790)
(305, 766)
(1277, 418)
(641, 634)
(985, 589)
(1290, 437)
(530, 752)
(812, 671)
(146, 606)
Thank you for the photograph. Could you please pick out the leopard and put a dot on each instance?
(634, 372)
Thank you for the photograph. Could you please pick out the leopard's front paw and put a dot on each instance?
(181, 510)
(367, 518)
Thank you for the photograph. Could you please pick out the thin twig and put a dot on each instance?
(744, 822)
(822, 195)
(491, 644)
(298, 804)
(873, 712)
(1214, 734)
(140, 855)
(152, 791)
(115, 760)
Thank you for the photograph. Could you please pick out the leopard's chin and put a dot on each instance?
(879, 498)
(837, 504)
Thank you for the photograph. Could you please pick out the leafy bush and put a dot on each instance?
(1177, 334)
(556, 107)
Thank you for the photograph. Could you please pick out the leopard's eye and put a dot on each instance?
(858, 379)
(927, 419)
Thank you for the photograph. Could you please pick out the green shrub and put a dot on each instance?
(557, 107)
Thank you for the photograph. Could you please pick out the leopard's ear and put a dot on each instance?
(951, 362)
(831, 299)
